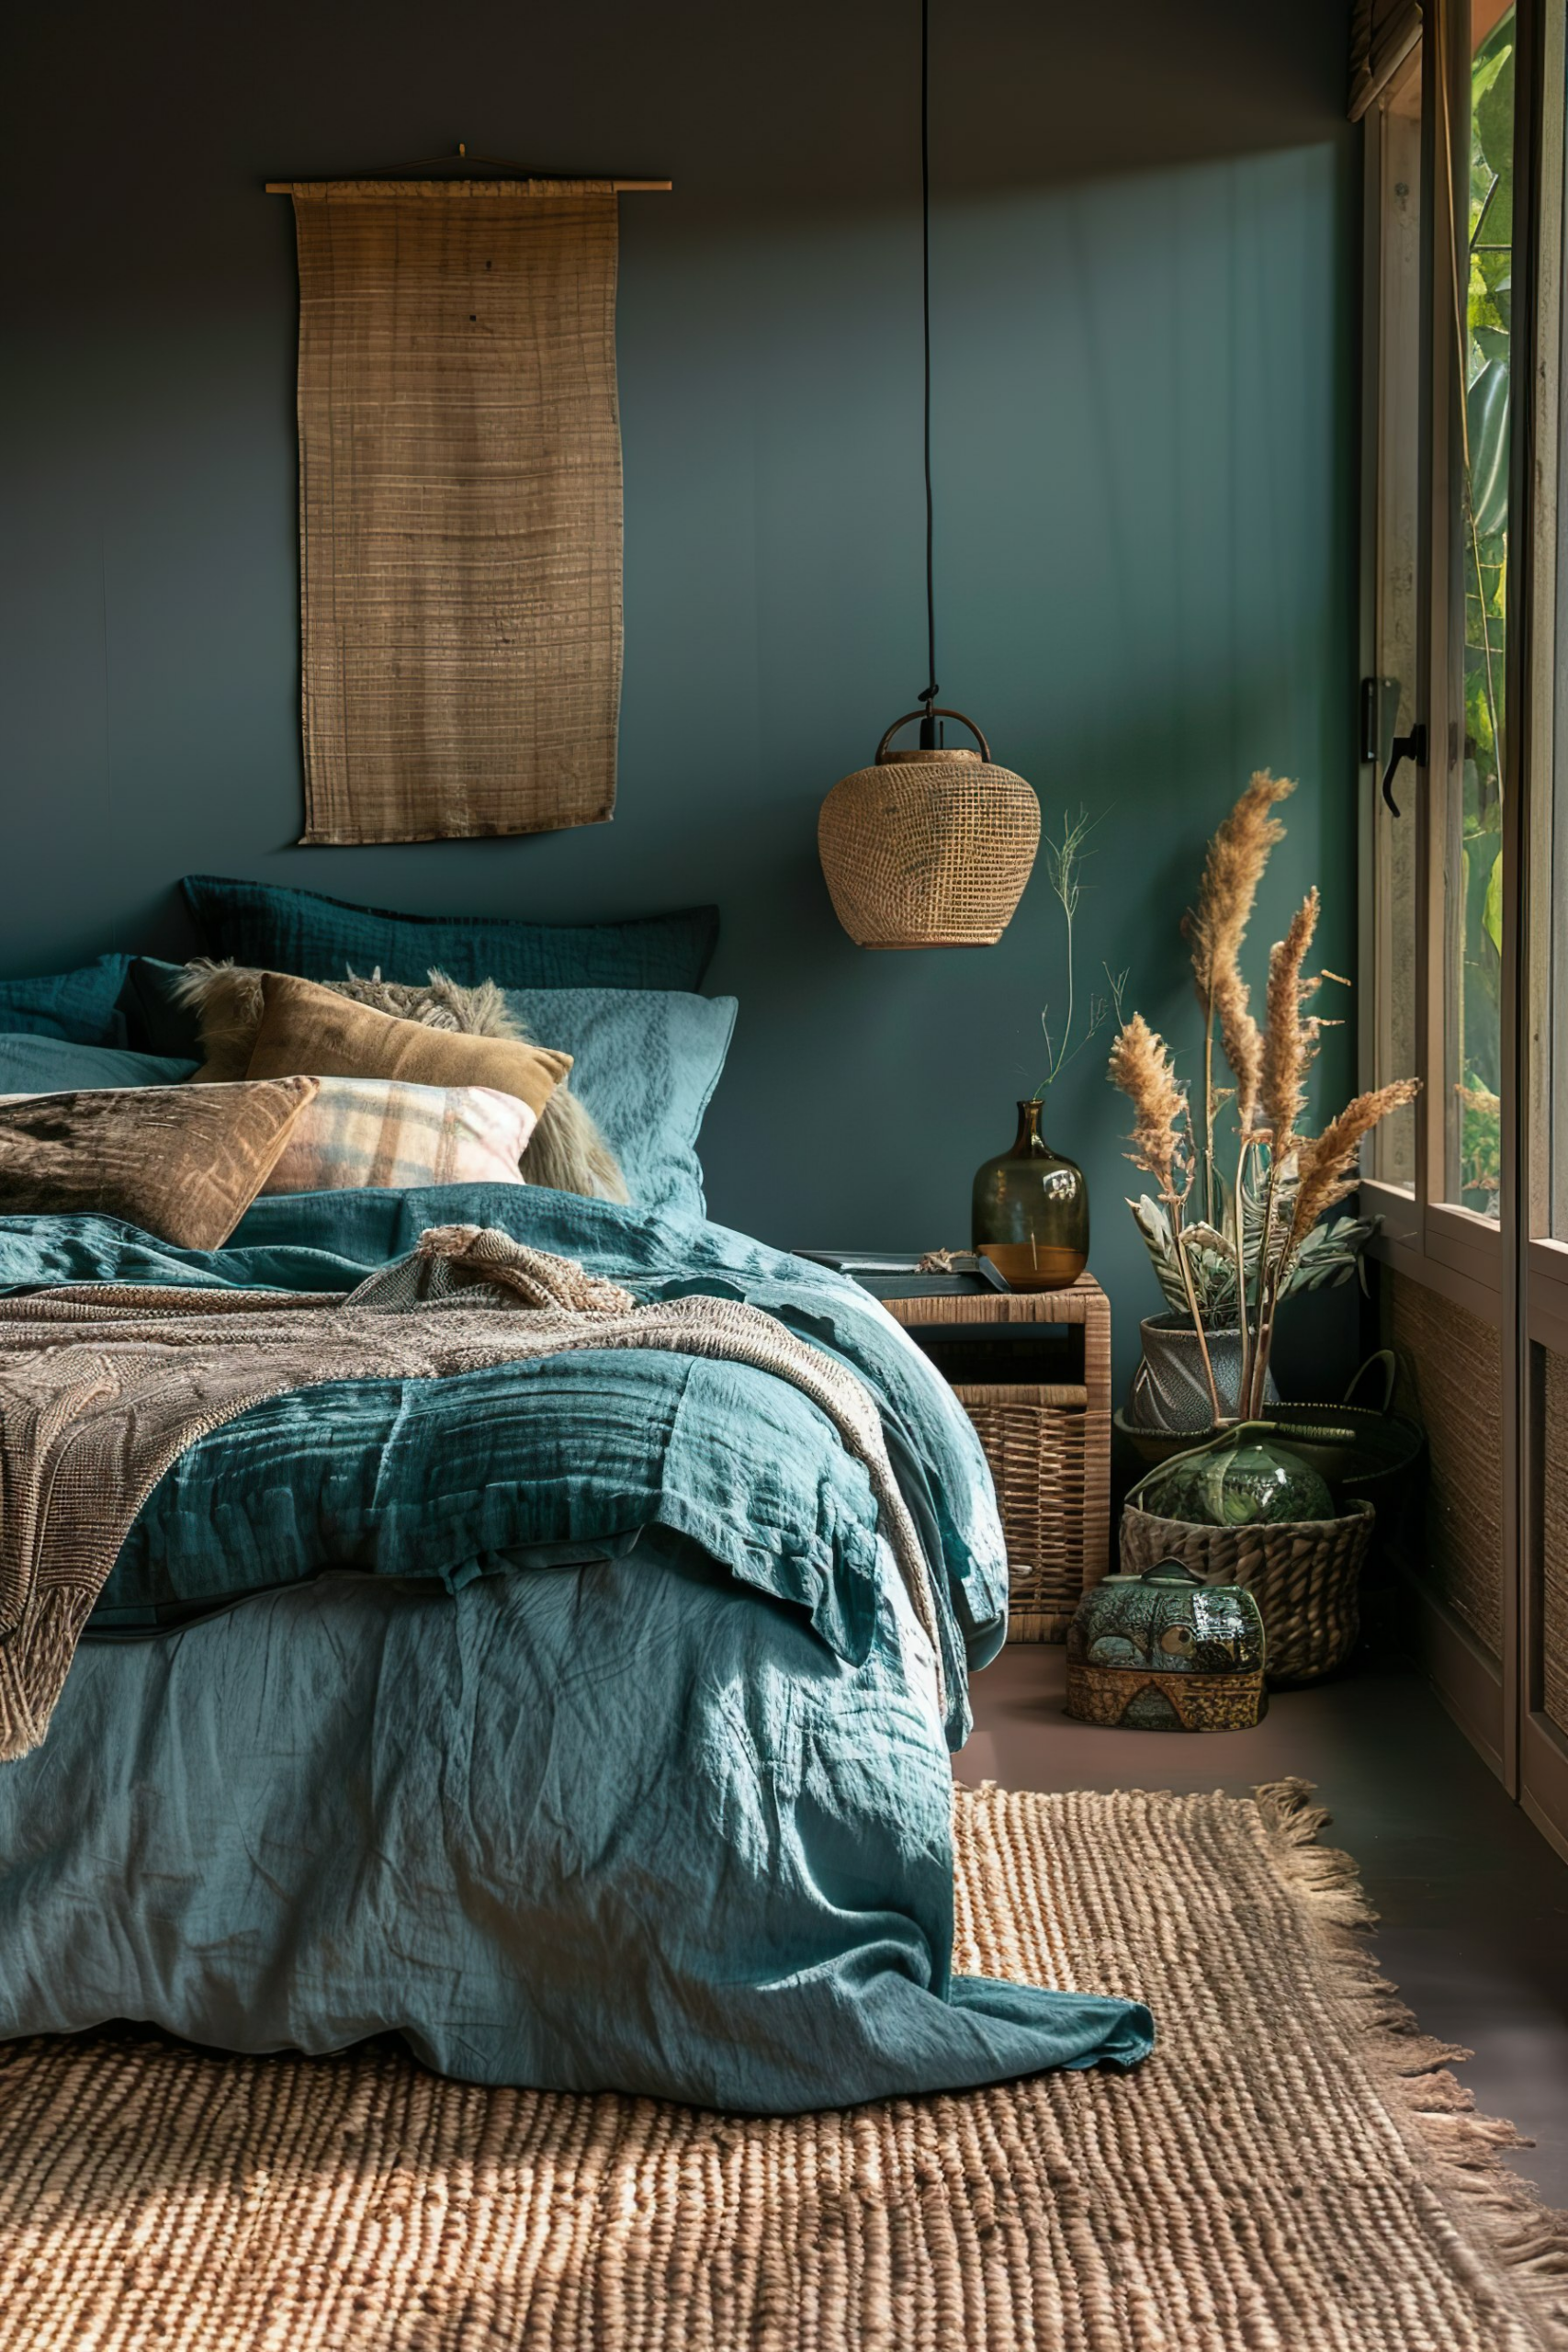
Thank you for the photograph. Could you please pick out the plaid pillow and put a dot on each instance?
(384, 1134)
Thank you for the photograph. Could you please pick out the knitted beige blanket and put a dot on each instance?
(104, 1386)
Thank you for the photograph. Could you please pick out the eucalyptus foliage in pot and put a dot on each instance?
(1242, 1217)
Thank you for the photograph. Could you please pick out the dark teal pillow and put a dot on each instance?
(155, 1021)
(322, 939)
(81, 1006)
(34, 1064)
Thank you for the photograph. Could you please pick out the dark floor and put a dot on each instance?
(1472, 1902)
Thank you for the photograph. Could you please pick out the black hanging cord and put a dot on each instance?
(928, 724)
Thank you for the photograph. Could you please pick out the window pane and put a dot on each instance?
(1549, 703)
(1398, 495)
(1475, 920)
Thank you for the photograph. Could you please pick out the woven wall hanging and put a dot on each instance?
(459, 505)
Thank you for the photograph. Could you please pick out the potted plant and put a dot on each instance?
(1241, 1214)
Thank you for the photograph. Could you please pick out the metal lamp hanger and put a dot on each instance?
(931, 846)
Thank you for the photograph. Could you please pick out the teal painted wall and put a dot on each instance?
(1145, 287)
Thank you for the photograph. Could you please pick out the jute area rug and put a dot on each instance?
(1294, 2170)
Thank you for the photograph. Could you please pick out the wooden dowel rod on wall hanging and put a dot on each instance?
(622, 188)
(457, 167)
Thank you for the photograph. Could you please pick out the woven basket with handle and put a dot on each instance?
(1304, 1574)
(928, 848)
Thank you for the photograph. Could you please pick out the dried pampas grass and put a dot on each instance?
(1291, 1047)
(1283, 1183)
(1216, 926)
(1141, 1065)
(1328, 1171)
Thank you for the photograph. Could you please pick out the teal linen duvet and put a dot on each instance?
(569, 1719)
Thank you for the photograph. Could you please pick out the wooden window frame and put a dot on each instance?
(1538, 971)
(1504, 1270)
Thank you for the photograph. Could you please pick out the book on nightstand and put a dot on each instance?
(892, 1274)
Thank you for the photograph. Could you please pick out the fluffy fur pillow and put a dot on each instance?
(568, 1152)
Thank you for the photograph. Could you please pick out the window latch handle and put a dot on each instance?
(1403, 747)
(1380, 747)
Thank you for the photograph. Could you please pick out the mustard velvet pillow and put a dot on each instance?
(184, 1163)
(312, 1030)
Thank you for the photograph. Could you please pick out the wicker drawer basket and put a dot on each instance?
(1048, 1442)
(1036, 1440)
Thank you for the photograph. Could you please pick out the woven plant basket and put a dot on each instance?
(1304, 1574)
(928, 848)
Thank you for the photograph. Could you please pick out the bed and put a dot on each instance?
(569, 1719)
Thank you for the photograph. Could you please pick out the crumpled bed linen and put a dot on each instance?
(570, 1721)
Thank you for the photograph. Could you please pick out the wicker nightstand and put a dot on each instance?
(1033, 1370)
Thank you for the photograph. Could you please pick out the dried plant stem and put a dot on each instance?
(1267, 1308)
(1210, 1186)
(1180, 1242)
(1238, 1210)
(1263, 1344)
(1064, 861)
(1267, 1279)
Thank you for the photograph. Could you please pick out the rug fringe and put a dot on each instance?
(1529, 2239)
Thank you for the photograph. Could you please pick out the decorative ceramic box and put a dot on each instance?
(1166, 1652)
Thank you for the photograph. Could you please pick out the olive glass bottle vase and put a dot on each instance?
(1030, 1210)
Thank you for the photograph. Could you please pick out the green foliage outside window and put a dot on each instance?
(1485, 522)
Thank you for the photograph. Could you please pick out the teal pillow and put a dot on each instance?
(31, 1065)
(80, 1005)
(323, 939)
(645, 1063)
(155, 1021)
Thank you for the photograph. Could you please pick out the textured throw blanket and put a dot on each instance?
(102, 1388)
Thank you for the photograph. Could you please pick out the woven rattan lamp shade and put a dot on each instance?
(928, 848)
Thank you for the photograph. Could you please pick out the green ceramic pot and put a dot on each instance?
(1243, 1477)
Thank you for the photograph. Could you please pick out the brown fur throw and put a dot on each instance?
(568, 1152)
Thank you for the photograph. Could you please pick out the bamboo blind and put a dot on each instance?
(1456, 1362)
(1554, 1537)
(1383, 34)
(460, 506)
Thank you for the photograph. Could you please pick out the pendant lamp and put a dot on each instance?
(930, 846)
